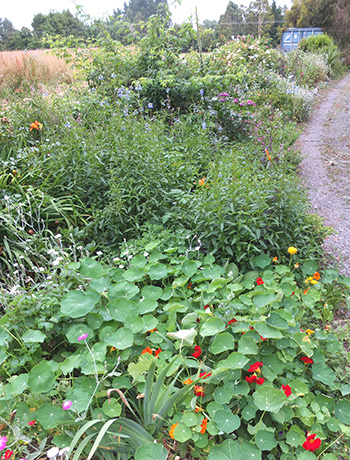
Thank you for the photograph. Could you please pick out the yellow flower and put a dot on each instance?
(313, 282)
(292, 250)
(310, 278)
(309, 331)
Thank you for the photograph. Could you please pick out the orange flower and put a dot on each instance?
(204, 425)
(306, 291)
(267, 154)
(171, 432)
(152, 330)
(188, 381)
(316, 276)
(275, 259)
(198, 409)
(201, 182)
(147, 350)
(36, 125)
(156, 353)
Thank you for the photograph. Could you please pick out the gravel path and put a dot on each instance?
(325, 169)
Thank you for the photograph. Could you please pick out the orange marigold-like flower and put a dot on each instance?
(204, 425)
(171, 431)
(36, 125)
(311, 443)
(147, 350)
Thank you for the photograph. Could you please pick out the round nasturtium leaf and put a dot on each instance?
(50, 416)
(191, 418)
(247, 346)
(112, 408)
(228, 450)
(121, 339)
(226, 421)
(33, 336)
(147, 306)
(265, 440)
(158, 271)
(90, 268)
(41, 378)
(222, 342)
(222, 395)
(182, 433)
(295, 437)
(329, 457)
(122, 307)
(151, 292)
(307, 455)
(101, 284)
(80, 399)
(77, 330)
(20, 383)
(151, 451)
(250, 451)
(249, 411)
(212, 327)
(269, 399)
(202, 441)
(134, 274)
(342, 411)
(76, 304)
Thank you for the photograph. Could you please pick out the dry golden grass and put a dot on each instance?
(18, 69)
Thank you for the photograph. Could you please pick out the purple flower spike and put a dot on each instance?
(66, 405)
(82, 337)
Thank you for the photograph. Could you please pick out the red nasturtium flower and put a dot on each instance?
(287, 390)
(8, 454)
(255, 367)
(262, 338)
(204, 425)
(311, 443)
(232, 321)
(31, 423)
(306, 360)
(260, 381)
(197, 351)
(251, 378)
(204, 375)
(171, 432)
(198, 391)
(259, 281)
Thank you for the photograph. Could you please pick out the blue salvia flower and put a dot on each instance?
(204, 125)
(150, 105)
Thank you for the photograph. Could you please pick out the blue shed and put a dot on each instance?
(291, 37)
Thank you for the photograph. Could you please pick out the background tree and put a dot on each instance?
(278, 15)
(231, 23)
(311, 13)
(6, 32)
(141, 10)
(259, 18)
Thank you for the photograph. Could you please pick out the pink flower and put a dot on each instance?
(3, 441)
(82, 337)
(66, 405)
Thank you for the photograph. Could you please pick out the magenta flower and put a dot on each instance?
(3, 441)
(82, 337)
(66, 405)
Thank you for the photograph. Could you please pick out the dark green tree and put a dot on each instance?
(141, 10)
(56, 23)
(6, 32)
(278, 15)
(259, 18)
(231, 23)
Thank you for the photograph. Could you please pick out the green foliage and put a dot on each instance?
(245, 326)
(316, 43)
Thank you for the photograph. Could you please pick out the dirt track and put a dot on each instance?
(325, 169)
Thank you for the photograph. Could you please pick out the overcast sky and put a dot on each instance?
(21, 12)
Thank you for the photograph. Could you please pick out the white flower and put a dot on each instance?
(99, 253)
(64, 451)
(58, 236)
(53, 452)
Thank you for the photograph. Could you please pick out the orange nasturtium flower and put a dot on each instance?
(292, 250)
(171, 432)
(204, 425)
(147, 350)
(201, 182)
(309, 331)
(188, 381)
(36, 125)
(316, 276)
(275, 259)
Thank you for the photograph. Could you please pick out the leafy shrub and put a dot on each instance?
(316, 43)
